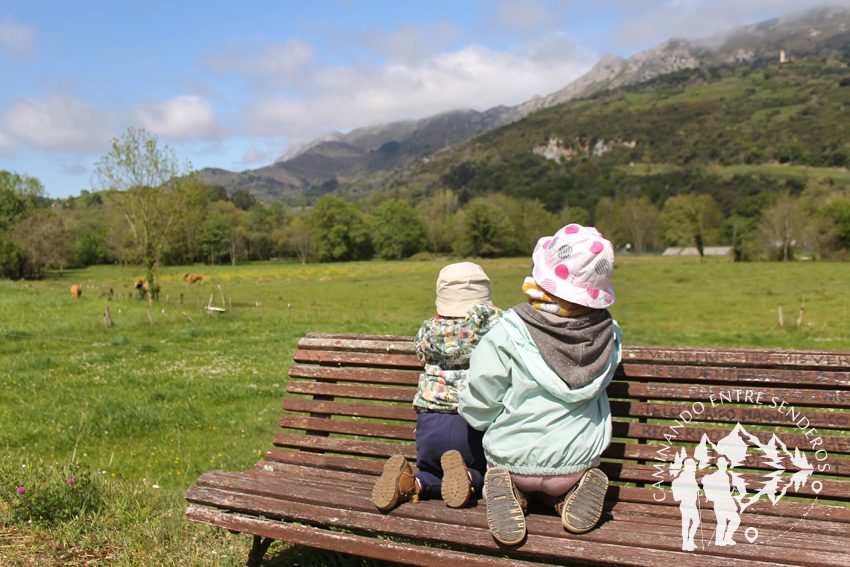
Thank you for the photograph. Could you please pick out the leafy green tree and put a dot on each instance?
(216, 193)
(91, 245)
(213, 235)
(398, 232)
(150, 188)
(437, 213)
(838, 210)
(258, 223)
(243, 199)
(18, 197)
(339, 230)
(486, 230)
(691, 219)
(235, 235)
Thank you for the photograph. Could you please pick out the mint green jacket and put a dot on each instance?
(533, 422)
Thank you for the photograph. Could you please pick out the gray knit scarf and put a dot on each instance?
(577, 348)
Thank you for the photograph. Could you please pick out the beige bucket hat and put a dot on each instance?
(460, 287)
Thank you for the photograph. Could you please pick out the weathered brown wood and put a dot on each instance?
(664, 399)
(833, 444)
(382, 393)
(333, 463)
(372, 375)
(642, 452)
(402, 361)
(742, 376)
(355, 512)
(764, 398)
(832, 489)
(344, 446)
(348, 427)
(822, 420)
(358, 345)
(353, 336)
(472, 535)
(396, 413)
(341, 542)
(760, 358)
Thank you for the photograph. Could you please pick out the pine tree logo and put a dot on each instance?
(726, 489)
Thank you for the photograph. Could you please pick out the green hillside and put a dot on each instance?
(734, 133)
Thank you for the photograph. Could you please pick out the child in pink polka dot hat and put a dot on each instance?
(575, 265)
(536, 387)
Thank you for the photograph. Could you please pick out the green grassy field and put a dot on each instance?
(135, 412)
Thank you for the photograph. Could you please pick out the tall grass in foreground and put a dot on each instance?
(135, 412)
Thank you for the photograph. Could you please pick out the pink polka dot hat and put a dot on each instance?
(575, 264)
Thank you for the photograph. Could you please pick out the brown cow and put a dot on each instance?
(76, 291)
(193, 278)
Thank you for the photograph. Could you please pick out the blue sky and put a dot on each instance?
(234, 85)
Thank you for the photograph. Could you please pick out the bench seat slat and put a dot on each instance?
(354, 512)
(407, 523)
(363, 546)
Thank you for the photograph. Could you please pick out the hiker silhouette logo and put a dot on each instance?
(730, 476)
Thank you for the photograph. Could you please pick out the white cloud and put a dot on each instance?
(280, 64)
(410, 42)
(649, 22)
(56, 122)
(16, 39)
(523, 15)
(475, 76)
(59, 122)
(181, 118)
(254, 156)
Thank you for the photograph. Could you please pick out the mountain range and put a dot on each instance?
(385, 148)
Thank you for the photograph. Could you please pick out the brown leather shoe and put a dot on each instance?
(505, 514)
(582, 507)
(456, 489)
(395, 485)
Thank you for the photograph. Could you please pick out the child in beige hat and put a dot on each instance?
(450, 457)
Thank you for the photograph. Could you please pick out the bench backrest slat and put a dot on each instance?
(375, 411)
(740, 375)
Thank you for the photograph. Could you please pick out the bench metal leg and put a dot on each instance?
(258, 551)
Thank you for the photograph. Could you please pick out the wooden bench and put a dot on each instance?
(349, 409)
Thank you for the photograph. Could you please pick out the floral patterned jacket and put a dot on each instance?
(444, 345)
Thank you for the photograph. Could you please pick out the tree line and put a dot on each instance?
(149, 208)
